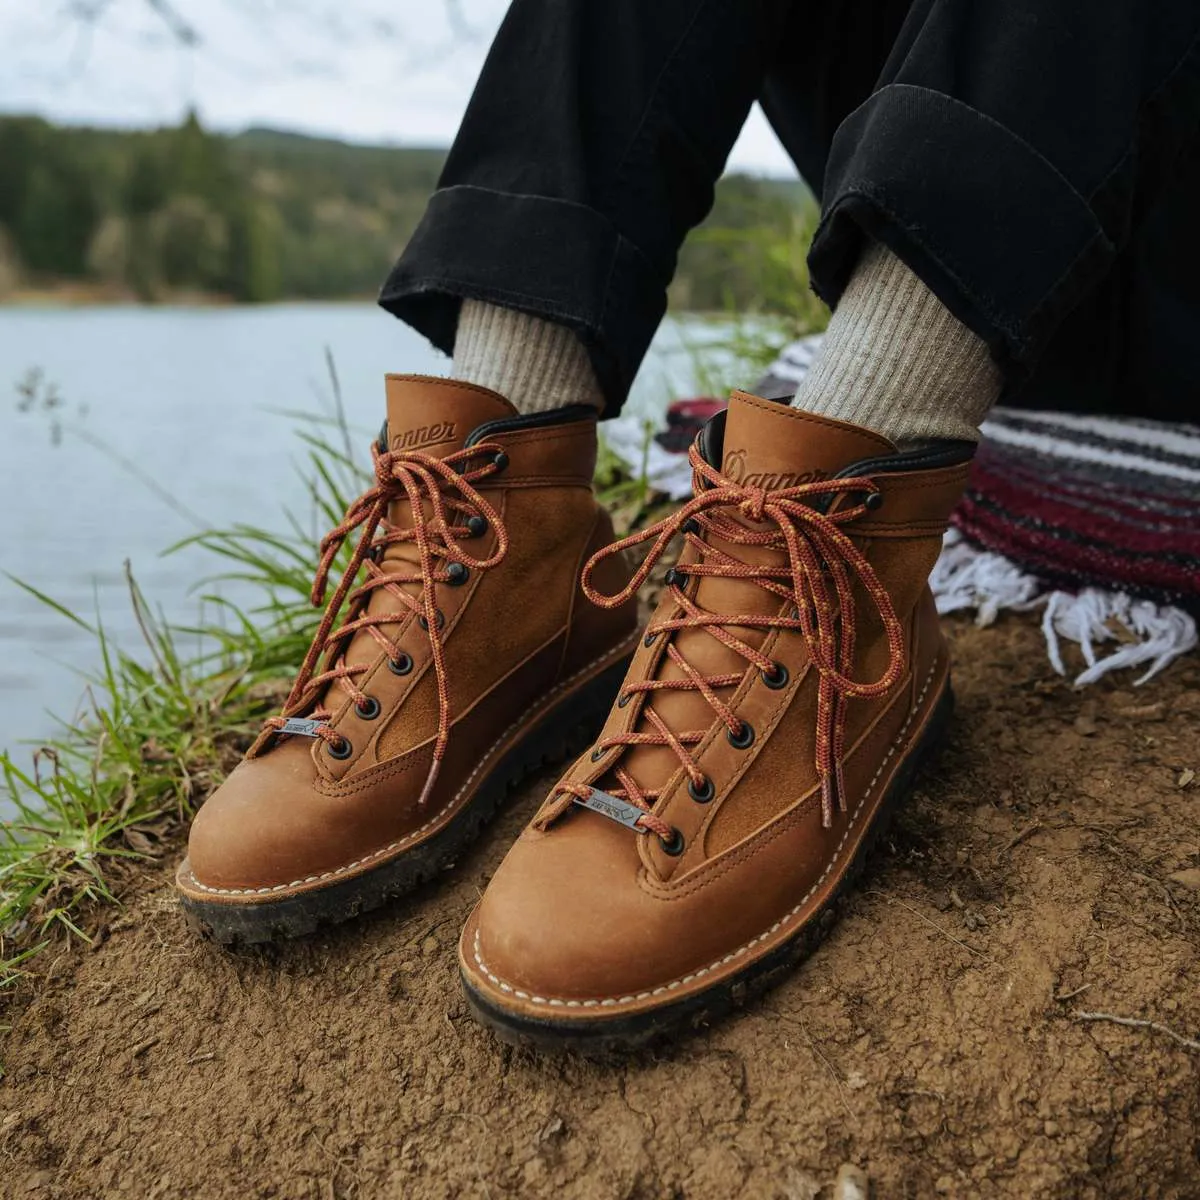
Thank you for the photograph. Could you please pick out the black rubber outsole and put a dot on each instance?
(617, 1035)
(562, 734)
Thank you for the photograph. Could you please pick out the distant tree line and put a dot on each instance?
(148, 212)
(266, 215)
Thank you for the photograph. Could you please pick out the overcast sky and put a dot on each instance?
(365, 70)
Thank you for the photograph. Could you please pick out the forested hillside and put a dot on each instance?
(266, 215)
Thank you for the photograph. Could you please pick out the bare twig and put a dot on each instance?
(460, 27)
(1062, 997)
(833, 1072)
(1137, 1023)
(932, 924)
(182, 30)
(1025, 833)
(91, 12)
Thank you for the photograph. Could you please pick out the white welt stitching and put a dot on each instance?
(416, 833)
(616, 1001)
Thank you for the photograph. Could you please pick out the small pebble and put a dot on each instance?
(1085, 725)
(851, 1184)
(554, 1128)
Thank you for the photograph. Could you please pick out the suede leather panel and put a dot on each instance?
(414, 695)
(533, 588)
(591, 625)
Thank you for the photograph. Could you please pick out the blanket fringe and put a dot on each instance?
(967, 577)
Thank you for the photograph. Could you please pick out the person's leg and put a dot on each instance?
(539, 365)
(1009, 154)
(893, 358)
(795, 672)
(1130, 348)
(1078, 320)
(896, 360)
(591, 146)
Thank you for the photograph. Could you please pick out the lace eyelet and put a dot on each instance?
(649, 640)
(873, 501)
(691, 525)
(477, 526)
(441, 620)
(457, 574)
(402, 665)
(367, 708)
(742, 740)
(704, 793)
(777, 677)
(500, 461)
(623, 699)
(340, 749)
(674, 578)
(598, 754)
(673, 845)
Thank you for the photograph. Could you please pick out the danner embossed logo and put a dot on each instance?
(734, 469)
(423, 435)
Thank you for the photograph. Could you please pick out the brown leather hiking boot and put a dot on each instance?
(466, 657)
(788, 684)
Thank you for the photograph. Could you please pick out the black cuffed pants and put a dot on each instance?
(1036, 162)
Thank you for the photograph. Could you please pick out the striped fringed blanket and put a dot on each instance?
(1093, 520)
(1097, 519)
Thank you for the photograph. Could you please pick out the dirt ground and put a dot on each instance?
(1049, 865)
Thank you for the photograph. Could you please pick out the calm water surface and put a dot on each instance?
(192, 398)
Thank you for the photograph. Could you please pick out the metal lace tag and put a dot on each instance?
(301, 726)
(613, 808)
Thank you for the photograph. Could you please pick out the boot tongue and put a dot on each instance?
(436, 416)
(769, 445)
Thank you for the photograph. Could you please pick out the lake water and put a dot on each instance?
(191, 399)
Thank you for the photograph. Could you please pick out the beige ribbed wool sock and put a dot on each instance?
(896, 361)
(536, 364)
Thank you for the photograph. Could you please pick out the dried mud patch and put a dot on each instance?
(1049, 864)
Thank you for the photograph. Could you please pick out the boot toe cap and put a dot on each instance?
(264, 829)
(562, 924)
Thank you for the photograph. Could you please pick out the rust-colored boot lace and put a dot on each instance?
(424, 481)
(818, 554)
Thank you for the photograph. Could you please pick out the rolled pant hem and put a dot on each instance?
(959, 230)
(479, 244)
